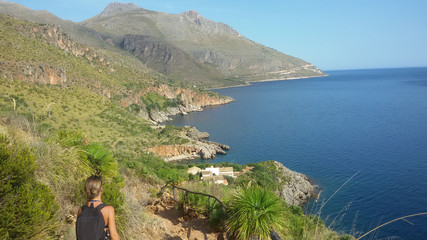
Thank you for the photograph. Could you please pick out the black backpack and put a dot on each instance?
(90, 223)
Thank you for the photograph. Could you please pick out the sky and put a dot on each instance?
(331, 34)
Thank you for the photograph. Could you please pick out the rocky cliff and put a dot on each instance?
(187, 101)
(53, 35)
(35, 71)
(298, 188)
(197, 147)
(210, 53)
(156, 53)
(166, 58)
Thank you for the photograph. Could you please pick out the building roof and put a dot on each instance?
(226, 173)
(194, 170)
(226, 169)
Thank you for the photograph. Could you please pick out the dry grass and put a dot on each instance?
(138, 224)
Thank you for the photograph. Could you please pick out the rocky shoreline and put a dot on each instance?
(186, 100)
(197, 147)
(299, 189)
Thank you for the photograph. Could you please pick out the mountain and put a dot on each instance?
(208, 42)
(77, 101)
(186, 48)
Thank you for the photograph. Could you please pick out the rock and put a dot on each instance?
(71, 218)
(189, 101)
(195, 148)
(158, 116)
(298, 189)
(193, 133)
(117, 8)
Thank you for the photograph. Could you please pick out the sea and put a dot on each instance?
(360, 135)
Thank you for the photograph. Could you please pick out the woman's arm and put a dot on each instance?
(112, 224)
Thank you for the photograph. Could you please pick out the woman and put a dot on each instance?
(95, 220)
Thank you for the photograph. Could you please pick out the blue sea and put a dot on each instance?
(367, 123)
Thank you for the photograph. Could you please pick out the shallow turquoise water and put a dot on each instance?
(373, 122)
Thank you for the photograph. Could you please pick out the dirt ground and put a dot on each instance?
(180, 227)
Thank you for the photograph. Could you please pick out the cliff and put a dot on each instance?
(181, 101)
(193, 49)
(298, 189)
(166, 58)
(197, 147)
(36, 70)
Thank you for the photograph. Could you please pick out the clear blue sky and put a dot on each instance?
(331, 34)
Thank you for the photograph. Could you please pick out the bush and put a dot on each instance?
(70, 138)
(27, 208)
(217, 215)
(102, 160)
(153, 168)
(254, 212)
(265, 174)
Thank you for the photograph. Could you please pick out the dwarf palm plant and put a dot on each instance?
(102, 160)
(254, 212)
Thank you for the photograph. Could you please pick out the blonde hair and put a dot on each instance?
(93, 187)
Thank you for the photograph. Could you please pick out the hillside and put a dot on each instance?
(186, 48)
(206, 41)
(56, 83)
(74, 103)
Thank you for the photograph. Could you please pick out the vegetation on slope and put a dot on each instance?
(210, 54)
(27, 207)
(55, 136)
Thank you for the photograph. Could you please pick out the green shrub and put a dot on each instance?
(155, 101)
(27, 208)
(264, 174)
(217, 215)
(70, 138)
(151, 167)
(254, 212)
(102, 160)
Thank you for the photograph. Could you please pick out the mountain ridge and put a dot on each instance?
(217, 54)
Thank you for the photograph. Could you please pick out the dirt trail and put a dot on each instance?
(179, 227)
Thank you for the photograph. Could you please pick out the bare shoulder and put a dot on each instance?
(109, 210)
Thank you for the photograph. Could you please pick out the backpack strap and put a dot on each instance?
(101, 206)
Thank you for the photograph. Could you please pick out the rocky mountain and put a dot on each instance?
(187, 48)
(210, 43)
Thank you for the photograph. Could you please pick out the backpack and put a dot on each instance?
(90, 223)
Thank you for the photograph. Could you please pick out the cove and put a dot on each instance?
(371, 122)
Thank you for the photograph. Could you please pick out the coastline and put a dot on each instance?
(249, 83)
(198, 148)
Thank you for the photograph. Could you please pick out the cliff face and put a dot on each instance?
(189, 98)
(154, 52)
(54, 36)
(42, 73)
(32, 73)
(214, 52)
(189, 101)
(298, 189)
(197, 147)
(167, 59)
